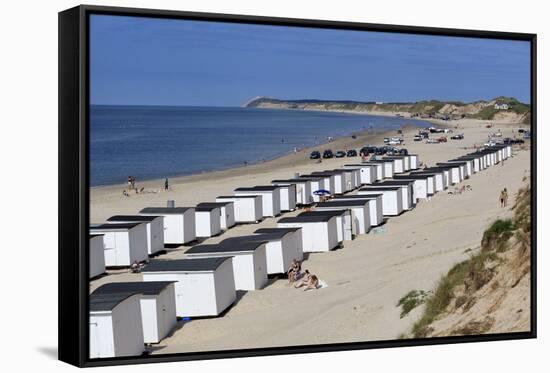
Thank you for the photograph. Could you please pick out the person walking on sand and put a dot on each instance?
(502, 197)
(130, 182)
(166, 185)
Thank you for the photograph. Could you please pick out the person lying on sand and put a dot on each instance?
(309, 281)
(294, 271)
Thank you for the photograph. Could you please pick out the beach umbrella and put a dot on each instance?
(321, 192)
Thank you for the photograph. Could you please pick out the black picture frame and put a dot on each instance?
(74, 181)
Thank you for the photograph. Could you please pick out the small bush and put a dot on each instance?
(498, 233)
(411, 300)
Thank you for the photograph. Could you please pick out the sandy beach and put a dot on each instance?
(366, 278)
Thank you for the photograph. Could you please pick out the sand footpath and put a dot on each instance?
(365, 279)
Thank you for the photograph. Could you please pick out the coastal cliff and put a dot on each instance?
(502, 109)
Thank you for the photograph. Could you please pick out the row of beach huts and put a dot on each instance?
(125, 317)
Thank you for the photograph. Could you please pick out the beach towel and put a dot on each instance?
(322, 285)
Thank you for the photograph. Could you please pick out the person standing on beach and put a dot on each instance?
(502, 196)
(129, 182)
(505, 197)
(166, 185)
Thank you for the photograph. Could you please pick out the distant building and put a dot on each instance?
(379, 102)
(501, 106)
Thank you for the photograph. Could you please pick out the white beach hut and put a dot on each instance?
(302, 188)
(455, 172)
(398, 164)
(319, 233)
(389, 167)
(360, 212)
(271, 197)
(283, 245)
(96, 258)
(367, 173)
(352, 178)
(316, 183)
(423, 184)
(346, 230)
(157, 303)
(249, 260)
(154, 226)
(124, 243)
(287, 197)
(179, 223)
(414, 161)
(407, 188)
(208, 221)
(375, 207)
(442, 176)
(329, 180)
(379, 169)
(204, 287)
(115, 325)
(248, 209)
(392, 198)
(227, 213)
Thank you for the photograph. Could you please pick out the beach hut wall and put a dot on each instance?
(203, 287)
(407, 190)
(115, 325)
(316, 183)
(96, 260)
(398, 165)
(124, 243)
(227, 213)
(375, 207)
(179, 223)
(287, 197)
(157, 303)
(207, 221)
(344, 218)
(367, 173)
(423, 185)
(379, 174)
(248, 257)
(302, 188)
(319, 233)
(414, 161)
(271, 198)
(247, 208)
(329, 180)
(455, 174)
(392, 198)
(154, 226)
(360, 212)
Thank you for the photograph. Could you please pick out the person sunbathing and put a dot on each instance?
(312, 284)
(309, 281)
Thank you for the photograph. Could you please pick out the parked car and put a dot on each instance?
(457, 137)
(417, 138)
(315, 155)
(442, 139)
(328, 154)
(518, 141)
(367, 150)
(352, 153)
(403, 151)
(340, 154)
(432, 141)
(521, 130)
(386, 140)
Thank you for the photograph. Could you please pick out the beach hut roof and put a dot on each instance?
(184, 265)
(92, 235)
(276, 232)
(295, 180)
(380, 161)
(311, 177)
(206, 208)
(324, 213)
(306, 219)
(234, 197)
(420, 175)
(132, 218)
(165, 210)
(358, 196)
(214, 204)
(345, 203)
(235, 245)
(143, 287)
(260, 188)
(114, 227)
(107, 302)
(373, 187)
(393, 182)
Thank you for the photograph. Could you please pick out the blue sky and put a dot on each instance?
(146, 61)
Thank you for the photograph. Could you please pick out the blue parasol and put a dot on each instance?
(321, 192)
